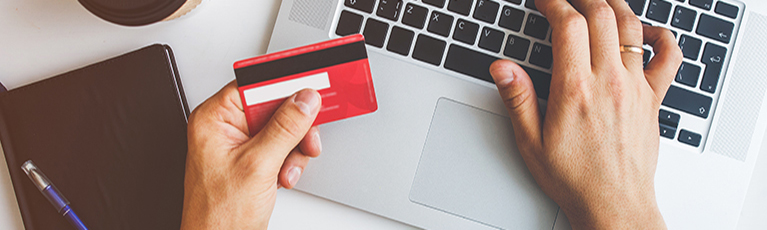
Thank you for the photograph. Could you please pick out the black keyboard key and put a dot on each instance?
(414, 16)
(511, 18)
(683, 18)
(713, 54)
(437, 3)
(689, 138)
(690, 47)
(460, 6)
(668, 118)
(440, 23)
(491, 40)
(715, 28)
(659, 11)
(667, 131)
(688, 74)
(713, 57)
(530, 4)
(637, 6)
(476, 64)
(726, 10)
(516, 47)
(515, 1)
(668, 123)
(541, 81)
(429, 50)
(469, 62)
(486, 11)
(466, 31)
(400, 40)
(646, 57)
(687, 101)
(537, 26)
(348, 23)
(541, 56)
(363, 5)
(375, 32)
(703, 4)
(389, 9)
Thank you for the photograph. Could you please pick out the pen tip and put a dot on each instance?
(28, 166)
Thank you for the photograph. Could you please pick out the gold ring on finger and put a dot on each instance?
(632, 49)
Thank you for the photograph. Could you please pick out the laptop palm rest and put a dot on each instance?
(470, 167)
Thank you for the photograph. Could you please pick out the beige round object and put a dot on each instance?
(184, 9)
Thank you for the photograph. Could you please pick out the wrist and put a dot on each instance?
(223, 217)
(213, 206)
(627, 212)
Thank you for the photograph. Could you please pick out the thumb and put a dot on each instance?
(285, 129)
(519, 96)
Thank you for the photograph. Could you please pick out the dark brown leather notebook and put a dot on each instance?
(111, 136)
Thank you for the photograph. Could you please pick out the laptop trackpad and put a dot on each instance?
(470, 167)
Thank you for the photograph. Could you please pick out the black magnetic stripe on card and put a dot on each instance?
(301, 63)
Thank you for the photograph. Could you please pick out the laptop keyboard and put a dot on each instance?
(466, 36)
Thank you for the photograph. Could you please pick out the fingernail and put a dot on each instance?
(317, 141)
(307, 101)
(293, 175)
(505, 77)
(502, 75)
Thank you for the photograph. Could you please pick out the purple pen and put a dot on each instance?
(52, 194)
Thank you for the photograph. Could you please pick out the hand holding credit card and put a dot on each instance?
(338, 69)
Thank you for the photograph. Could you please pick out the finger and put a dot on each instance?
(285, 130)
(519, 96)
(664, 65)
(218, 115)
(629, 33)
(603, 32)
(233, 94)
(311, 145)
(226, 107)
(292, 169)
(233, 101)
(570, 39)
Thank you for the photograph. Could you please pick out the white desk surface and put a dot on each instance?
(42, 38)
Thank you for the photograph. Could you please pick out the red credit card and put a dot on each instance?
(338, 69)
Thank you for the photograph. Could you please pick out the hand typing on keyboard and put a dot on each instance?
(595, 150)
(231, 179)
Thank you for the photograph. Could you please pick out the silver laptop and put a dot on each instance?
(439, 153)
